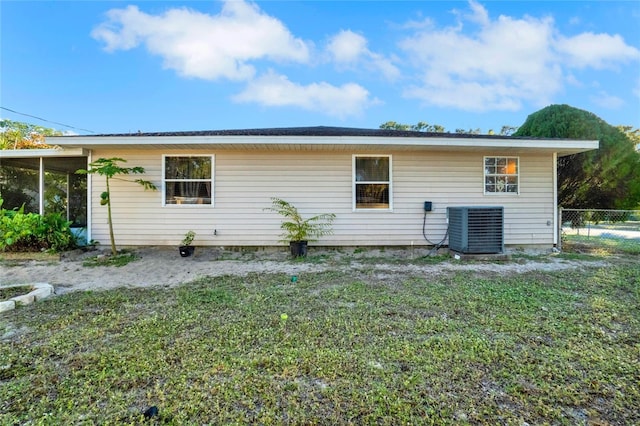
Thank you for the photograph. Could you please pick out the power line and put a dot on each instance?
(48, 121)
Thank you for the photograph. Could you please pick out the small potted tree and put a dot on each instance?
(186, 249)
(297, 231)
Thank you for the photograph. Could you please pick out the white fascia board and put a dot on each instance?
(36, 153)
(560, 145)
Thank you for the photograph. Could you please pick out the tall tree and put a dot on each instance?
(109, 168)
(605, 178)
(19, 135)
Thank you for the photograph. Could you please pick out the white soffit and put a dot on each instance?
(311, 143)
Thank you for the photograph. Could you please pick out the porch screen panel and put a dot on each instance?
(19, 184)
(56, 184)
(65, 191)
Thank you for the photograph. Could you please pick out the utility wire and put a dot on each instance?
(48, 121)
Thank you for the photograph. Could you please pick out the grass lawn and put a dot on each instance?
(603, 244)
(333, 348)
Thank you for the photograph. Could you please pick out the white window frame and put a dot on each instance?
(164, 181)
(354, 183)
(485, 175)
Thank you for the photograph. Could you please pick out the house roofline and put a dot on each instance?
(313, 138)
(308, 131)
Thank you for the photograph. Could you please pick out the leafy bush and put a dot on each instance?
(295, 227)
(55, 232)
(17, 229)
(20, 231)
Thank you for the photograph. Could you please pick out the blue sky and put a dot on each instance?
(114, 67)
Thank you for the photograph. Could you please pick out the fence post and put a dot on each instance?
(559, 226)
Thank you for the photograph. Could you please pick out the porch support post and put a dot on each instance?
(89, 192)
(41, 187)
(68, 196)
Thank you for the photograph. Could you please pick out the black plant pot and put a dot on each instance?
(186, 251)
(298, 248)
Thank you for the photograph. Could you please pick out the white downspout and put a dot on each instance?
(89, 192)
(555, 199)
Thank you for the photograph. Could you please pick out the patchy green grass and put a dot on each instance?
(600, 245)
(459, 348)
(21, 256)
(13, 291)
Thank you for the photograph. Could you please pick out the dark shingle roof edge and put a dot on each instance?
(311, 131)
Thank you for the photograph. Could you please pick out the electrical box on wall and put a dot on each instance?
(427, 206)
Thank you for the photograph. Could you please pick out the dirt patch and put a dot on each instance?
(163, 266)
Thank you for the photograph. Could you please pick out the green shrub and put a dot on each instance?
(20, 231)
(16, 229)
(55, 232)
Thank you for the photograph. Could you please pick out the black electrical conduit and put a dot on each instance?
(436, 246)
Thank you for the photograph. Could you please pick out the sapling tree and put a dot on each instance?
(110, 168)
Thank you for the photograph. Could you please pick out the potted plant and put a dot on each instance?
(186, 249)
(298, 231)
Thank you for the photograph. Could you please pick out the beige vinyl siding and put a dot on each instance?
(319, 182)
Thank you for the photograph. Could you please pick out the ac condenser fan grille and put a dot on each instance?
(476, 230)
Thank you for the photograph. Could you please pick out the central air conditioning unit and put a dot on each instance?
(476, 230)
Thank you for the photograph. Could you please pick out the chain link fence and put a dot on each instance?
(616, 230)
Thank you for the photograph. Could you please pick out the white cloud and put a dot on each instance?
(418, 24)
(480, 63)
(595, 50)
(348, 49)
(572, 80)
(485, 64)
(204, 46)
(607, 101)
(277, 90)
(478, 13)
(504, 63)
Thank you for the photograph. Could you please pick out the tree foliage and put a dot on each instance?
(605, 178)
(633, 134)
(423, 126)
(19, 135)
(110, 168)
